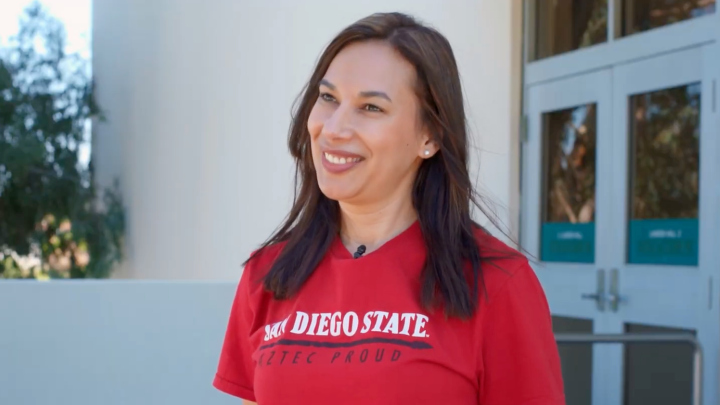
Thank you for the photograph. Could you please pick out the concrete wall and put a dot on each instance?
(112, 342)
(198, 97)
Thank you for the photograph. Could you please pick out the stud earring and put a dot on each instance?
(427, 153)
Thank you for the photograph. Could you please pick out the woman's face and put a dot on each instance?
(366, 134)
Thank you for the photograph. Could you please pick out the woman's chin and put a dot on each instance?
(338, 193)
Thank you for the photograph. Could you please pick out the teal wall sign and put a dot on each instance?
(664, 241)
(566, 242)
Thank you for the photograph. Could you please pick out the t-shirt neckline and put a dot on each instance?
(411, 234)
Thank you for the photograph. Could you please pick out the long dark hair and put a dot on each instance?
(442, 195)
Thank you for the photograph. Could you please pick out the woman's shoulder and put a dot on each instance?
(499, 263)
(265, 255)
(259, 263)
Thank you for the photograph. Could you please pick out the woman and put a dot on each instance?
(380, 288)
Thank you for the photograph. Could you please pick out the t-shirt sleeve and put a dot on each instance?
(519, 362)
(236, 368)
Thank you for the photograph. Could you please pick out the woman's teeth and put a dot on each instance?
(340, 160)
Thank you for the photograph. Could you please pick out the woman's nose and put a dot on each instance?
(338, 124)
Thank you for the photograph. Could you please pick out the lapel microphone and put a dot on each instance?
(359, 252)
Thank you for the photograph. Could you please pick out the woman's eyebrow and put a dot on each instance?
(327, 84)
(364, 94)
(369, 94)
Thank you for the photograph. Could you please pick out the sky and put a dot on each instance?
(76, 16)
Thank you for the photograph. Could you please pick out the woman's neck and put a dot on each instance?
(373, 226)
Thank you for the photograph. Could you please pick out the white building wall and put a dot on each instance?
(198, 95)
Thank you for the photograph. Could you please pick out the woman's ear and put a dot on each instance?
(428, 148)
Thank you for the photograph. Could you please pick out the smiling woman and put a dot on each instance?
(431, 308)
(369, 141)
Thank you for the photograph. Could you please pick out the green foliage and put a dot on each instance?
(666, 130)
(46, 104)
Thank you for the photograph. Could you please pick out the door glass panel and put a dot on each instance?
(665, 161)
(576, 360)
(568, 229)
(566, 25)
(644, 15)
(658, 374)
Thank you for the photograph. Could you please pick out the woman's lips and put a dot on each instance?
(339, 161)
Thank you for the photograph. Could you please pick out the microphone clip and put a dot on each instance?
(359, 252)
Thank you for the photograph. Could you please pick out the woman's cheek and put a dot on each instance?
(314, 122)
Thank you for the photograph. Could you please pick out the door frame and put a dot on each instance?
(679, 68)
(564, 283)
(617, 51)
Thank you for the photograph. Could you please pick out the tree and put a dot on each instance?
(49, 204)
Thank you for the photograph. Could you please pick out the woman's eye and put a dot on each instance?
(372, 108)
(327, 97)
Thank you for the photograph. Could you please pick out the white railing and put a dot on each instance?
(645, 338)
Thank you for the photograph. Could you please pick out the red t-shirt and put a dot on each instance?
(356, 333)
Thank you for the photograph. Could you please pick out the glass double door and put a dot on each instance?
(620, 210)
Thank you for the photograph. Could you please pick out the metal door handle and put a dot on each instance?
(614, 301)
(614, 297)
(598, 296)
(611, 298)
